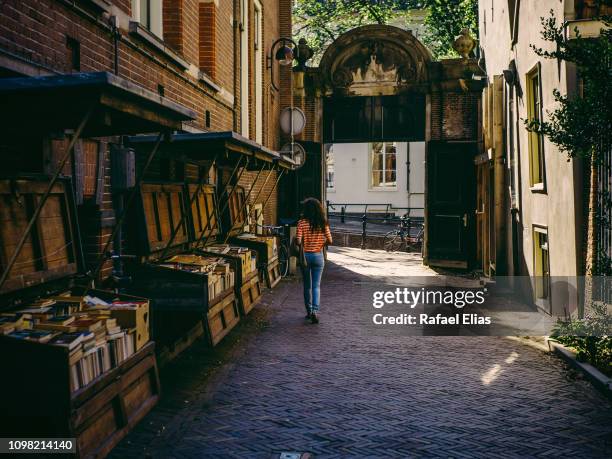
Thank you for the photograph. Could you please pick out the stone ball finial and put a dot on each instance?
(464, 43)
(304, 53)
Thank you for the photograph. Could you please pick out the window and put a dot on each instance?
(329, 172)
(149, 14)
(536, 141)
(384, 164)
(541, 264)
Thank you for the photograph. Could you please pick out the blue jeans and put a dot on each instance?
(312, 279)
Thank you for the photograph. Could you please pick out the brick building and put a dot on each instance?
(207, 55)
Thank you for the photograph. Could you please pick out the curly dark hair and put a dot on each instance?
(315, 214)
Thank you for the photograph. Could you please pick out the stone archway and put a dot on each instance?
(380, 83)
(374, 60)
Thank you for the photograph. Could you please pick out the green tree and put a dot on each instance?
(445, 20)
(320, 22)
(581, 124)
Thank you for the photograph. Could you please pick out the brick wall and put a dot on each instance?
(208, 38)
(33, 33)
(459, 116)
(173, 23)
(271, 208)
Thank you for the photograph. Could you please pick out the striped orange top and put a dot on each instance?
(313, 240)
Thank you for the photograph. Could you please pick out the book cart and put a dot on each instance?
(265, 246)
(191, 294)
(76, 361)
(235, 154)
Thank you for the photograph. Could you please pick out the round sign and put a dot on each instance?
(292, 117)
(296, 152)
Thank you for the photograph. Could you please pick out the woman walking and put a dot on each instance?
(313, 234)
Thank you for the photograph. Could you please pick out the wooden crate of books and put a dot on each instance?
(267, 255)
(266, 247)
(187, 290)
(244, 262)
(72, 367)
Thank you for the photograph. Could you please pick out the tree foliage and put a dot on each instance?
(445, 20)
(320, 22)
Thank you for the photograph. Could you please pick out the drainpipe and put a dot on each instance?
(116, 34)
(499, 179)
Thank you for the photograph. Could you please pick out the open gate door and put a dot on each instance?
(451, 192)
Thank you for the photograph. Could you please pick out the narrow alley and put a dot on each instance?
(336, 390)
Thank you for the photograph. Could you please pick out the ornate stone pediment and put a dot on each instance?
(374, 60)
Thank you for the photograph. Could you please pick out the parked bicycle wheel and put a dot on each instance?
(393, 241)
(283, 261)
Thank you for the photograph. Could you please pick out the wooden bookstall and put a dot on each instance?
(53, 387)
(44, 397)
(246, 287)
(265, 246)
(188, 298)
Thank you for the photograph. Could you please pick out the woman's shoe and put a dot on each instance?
(308, 313)
(314, 318)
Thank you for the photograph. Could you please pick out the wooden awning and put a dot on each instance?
(227, 147)
(61, 102)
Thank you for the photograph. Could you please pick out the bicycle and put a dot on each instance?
(284, 256)
(407, 237)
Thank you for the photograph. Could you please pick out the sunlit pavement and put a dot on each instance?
(337, 390)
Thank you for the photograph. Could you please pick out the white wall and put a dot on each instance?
(555, 207)
(352, 177)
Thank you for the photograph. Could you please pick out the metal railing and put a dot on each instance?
(387, 215)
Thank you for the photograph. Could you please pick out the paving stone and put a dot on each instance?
(334, 390)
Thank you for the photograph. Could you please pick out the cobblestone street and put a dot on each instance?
(334, 390)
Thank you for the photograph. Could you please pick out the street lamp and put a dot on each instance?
(287, 52)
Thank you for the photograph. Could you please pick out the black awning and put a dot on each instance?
(60, 102)
(203, 147)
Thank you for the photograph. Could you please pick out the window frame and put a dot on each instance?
(153, 6)
(541, 266)
(329, 161)
(371, 170)
(536, 150)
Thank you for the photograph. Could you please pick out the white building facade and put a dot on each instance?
(387, 176)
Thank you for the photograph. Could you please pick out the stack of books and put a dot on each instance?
(95, 341)
(247, 257)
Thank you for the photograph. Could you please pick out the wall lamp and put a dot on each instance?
(285, 51)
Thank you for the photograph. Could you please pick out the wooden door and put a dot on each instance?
(451, 192)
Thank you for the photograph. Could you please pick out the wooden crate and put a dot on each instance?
(272, 273)
(99, 415)
(250, 293)
(247, 287)
(267, 257)
(37, 377)
(179, 299)
(222, 317)
(52, 253)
